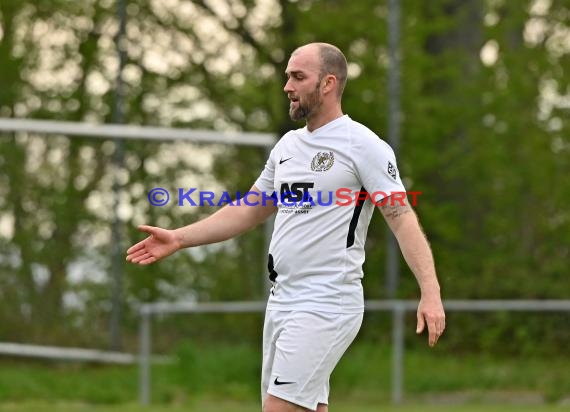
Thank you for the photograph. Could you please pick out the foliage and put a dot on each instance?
(484, 137)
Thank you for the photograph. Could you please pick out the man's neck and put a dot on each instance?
(323, 118)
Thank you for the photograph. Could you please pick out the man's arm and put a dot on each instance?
(226, 223)
(416, 250)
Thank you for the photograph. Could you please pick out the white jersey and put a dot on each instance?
(317, 249)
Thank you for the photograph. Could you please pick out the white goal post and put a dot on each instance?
(119, 131)
(127, 132)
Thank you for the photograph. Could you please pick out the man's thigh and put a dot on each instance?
(274, 404)
(300, 351)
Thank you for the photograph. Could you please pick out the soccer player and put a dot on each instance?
(327, 179)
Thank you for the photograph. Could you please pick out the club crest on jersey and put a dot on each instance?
(322, 161)
(392, 170)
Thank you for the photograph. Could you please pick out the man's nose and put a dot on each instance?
(288, 88)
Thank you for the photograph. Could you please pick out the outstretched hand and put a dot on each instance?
(160, 244)
(430, 312)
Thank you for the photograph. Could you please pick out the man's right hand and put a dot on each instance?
(160, 244)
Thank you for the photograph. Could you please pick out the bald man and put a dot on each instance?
(322, 182)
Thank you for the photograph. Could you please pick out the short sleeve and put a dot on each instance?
(265, 181)
(376, 165)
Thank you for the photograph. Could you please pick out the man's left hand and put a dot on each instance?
(430, 312)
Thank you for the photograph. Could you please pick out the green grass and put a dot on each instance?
(213, 406)
(360, 383)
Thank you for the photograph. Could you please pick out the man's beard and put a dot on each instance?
(307, 108)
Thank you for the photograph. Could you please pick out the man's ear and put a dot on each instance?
(329, 83)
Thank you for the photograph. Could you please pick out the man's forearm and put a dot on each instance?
(414, 246)
(228, 222)
(417, 253)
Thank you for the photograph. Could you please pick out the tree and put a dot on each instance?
(485, 120)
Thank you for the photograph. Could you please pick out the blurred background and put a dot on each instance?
(474, 95)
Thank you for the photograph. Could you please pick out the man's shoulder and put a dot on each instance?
(360, 129)
(291, 134)
(365, 136)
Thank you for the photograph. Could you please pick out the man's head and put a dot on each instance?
(316, 77)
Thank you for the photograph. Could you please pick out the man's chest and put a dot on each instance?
(314, 169)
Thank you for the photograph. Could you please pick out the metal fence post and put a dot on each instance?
(144, 356)
(398, 317)
(397, 307)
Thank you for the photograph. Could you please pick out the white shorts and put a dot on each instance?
(300, 351)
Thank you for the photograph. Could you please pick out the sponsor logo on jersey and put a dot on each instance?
(392, 170)
(297, 192)
(296, 198)
(322, 161)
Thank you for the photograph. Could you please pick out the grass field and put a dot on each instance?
(434, 381)
(211, 406)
